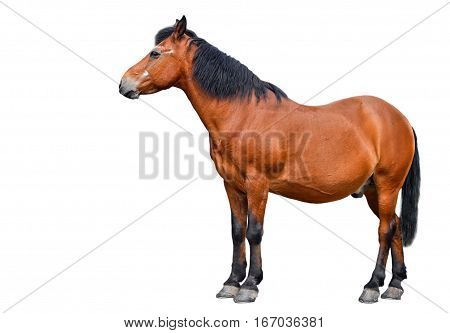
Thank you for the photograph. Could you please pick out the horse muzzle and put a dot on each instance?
(128, 88)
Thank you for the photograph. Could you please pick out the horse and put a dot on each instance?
(261, 141)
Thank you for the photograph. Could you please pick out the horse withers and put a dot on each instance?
(360, 146)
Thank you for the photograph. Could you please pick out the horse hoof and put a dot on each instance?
(246, 295)
(228, 292)
(369, 296)
(392, 293)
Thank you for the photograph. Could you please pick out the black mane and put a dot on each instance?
(219, 74)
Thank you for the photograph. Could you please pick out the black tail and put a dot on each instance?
(410, 199)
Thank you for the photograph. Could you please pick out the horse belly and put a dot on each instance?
(316, 192)
(326, 173)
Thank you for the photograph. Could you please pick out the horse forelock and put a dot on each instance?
(166, 32)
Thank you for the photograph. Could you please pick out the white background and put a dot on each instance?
(69, 166)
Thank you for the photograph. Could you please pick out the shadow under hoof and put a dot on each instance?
(228, 292)
(369, 296)
(392, 293)
(246, 296)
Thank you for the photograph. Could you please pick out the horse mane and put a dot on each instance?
(220, 75)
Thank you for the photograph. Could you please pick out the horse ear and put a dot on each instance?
(180, 27)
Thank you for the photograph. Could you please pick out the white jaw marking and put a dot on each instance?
(145, 74)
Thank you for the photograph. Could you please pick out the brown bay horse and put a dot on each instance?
(261, 142)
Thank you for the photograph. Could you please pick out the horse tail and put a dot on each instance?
(410, 199)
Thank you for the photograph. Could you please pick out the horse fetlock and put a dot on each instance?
(399, 272)
(238, 273)
(396, 283)
(379, 274)
(253, 279)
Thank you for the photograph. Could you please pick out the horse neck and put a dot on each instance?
(223, 115)
(214, 113)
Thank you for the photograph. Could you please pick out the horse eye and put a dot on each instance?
(154, 54)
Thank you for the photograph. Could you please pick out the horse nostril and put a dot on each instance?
(129, 93)
(128, 88)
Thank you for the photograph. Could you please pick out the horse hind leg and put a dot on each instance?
(395, 290)
(382, 200)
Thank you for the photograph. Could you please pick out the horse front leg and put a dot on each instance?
(257, 192)
(238, 205)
